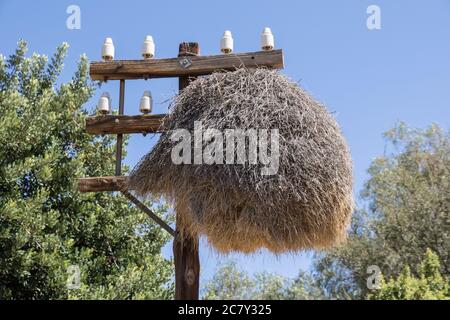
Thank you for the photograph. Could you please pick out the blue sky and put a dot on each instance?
(369, 79)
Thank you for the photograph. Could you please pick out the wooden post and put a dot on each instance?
(185, 251)
(120, 135)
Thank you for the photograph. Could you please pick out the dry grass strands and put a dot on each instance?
(307, 204)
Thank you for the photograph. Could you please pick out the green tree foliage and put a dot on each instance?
(45, 224)
(228, 283)
(231, 282)
(408, 211)
(428, 285)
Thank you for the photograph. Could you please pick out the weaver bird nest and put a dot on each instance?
(290, 189)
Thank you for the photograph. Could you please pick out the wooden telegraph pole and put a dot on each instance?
(188, 65)
(185, 250)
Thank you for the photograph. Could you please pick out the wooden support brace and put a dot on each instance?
(187, 64)
(148, 211)
(114, 183)
(115, 124)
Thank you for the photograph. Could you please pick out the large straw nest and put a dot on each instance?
(307, 204)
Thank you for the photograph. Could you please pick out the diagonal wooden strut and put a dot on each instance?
(148, 211)
(115, 183)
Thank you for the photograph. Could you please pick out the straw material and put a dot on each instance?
(307, 204)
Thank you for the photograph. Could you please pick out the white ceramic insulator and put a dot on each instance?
(146, 103)
(148, 48)
(104, 104)
(108, 50)
(267, 40)
(226, 43)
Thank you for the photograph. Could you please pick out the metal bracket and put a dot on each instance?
(185, 62)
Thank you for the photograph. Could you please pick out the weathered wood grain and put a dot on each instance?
(124, 124)
(185, 250)
(172, 67)
(100, 184)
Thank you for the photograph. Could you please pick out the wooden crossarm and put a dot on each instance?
(117, 124)
(99, 184)
(177, 67)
